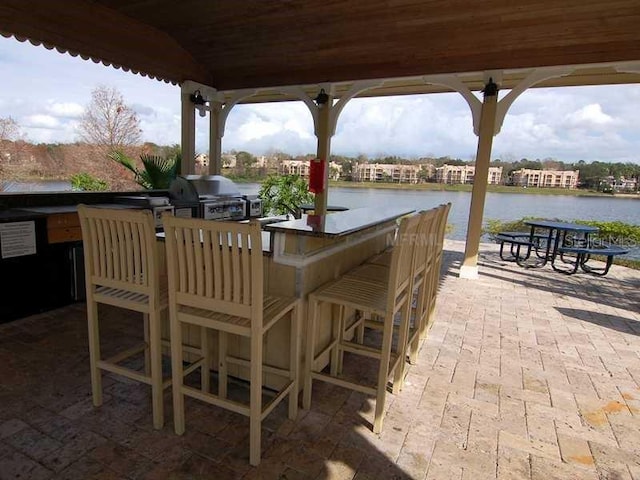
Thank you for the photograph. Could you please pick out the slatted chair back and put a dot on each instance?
(441, 230)
(445, 208)
(429, 308)
(120, 250)
(426, 241)
(401, 271)
(425, 258)
(210, 268)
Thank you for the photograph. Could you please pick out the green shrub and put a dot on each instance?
(617, 233)
(283, 194)
(85, 182)
(493, 227)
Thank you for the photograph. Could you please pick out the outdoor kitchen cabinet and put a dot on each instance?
(41, 277)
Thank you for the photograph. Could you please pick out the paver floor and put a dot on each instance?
(525, 374)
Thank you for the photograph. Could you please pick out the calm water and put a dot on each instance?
(500, 206)
(39, 186)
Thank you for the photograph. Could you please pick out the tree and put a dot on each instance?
(244, 163)
(108, 122)
(11, 140)
(9, 130)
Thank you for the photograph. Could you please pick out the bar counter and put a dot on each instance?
(338, 224)
(303, 255)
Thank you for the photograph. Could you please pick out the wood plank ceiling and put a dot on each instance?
(233, 44)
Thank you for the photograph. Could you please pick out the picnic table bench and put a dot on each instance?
(583, 255)
(517, 240)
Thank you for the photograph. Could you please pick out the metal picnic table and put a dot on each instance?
(551, 240)
(557, 236)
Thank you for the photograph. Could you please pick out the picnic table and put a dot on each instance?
(557, 243)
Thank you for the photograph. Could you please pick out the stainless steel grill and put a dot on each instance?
(212, 197)
(157, 205)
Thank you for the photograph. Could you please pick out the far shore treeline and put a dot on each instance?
(110, 129)
(24, 161)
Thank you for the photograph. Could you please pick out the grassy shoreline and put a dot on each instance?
(490, 188)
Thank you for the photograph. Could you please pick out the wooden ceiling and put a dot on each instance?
(235, 44)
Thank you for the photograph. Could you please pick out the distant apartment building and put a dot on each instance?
(261, 162)
(295, 167)
(229, 160)
(202, 163)
(385, 172)
(301, 168)
(462, 174)
(623, 184)
(526, 177)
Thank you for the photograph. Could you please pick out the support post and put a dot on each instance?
(324, 133)
(469, 268)
(215, 139)
(188, 143)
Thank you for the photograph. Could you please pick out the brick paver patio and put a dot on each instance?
(525, 374)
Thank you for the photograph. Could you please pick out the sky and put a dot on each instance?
(46, 93)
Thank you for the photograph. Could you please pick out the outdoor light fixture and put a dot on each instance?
(197, 98)
(200, 103)
(322, 98)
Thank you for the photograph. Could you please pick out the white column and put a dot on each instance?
(188, 143)
(324, 134)
(469, 268)
(215, 139)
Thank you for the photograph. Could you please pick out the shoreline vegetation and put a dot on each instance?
(428, 186)
(490, 188)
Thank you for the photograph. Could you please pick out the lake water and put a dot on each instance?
(499, 206)
(35, 186)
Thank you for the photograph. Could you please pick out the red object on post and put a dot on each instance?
(317, 176)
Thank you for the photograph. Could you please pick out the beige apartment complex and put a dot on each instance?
(526, 177)
(295, 167)
(301, 167)
(385, 172)
(461, 174)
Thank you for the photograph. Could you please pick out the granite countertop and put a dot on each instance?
(266, 241)
(19, 214)
(339, 224)
(53, 209)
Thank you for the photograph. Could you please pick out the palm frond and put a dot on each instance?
(123, 160)
(158, 172)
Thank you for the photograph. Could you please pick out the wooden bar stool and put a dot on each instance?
(425, 259)
(428, 308)
(377, 270)
(216, 282)
(375, 298)
(121, 269)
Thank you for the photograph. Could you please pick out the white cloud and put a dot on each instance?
(41, 121)
(571, 123)
(65, 109)
(256, 128)
(589, 116)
